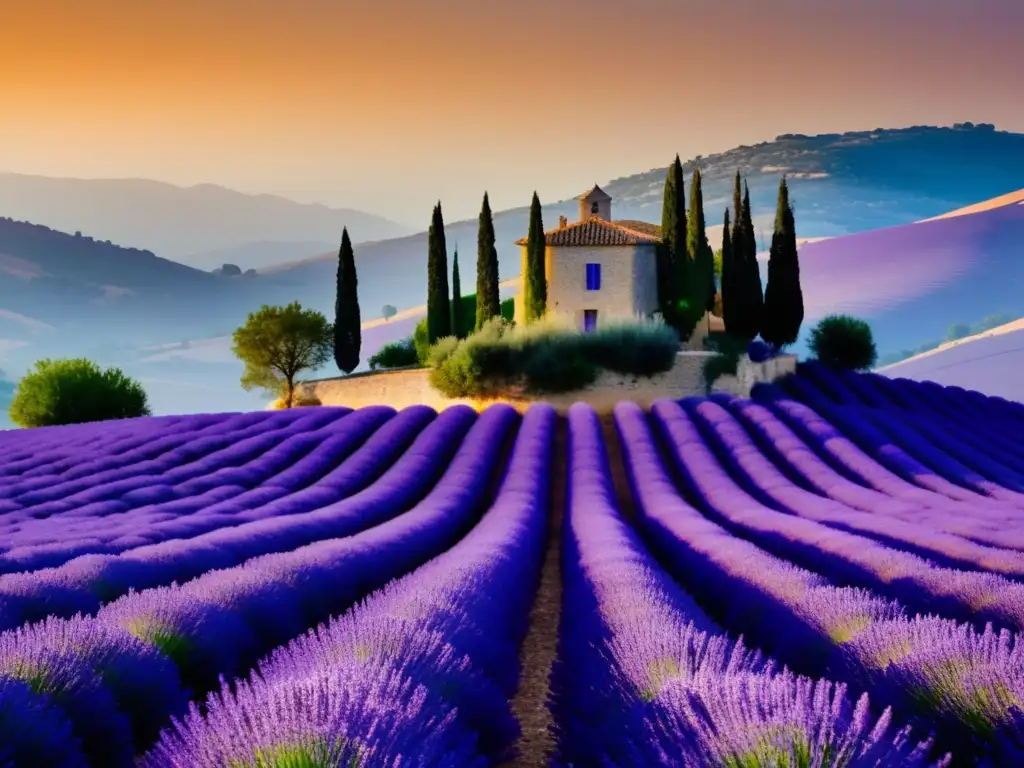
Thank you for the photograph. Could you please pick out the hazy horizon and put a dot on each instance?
(386, 107)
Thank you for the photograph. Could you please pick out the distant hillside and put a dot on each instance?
(186, 223)
(71, 291)
(989, 362)
(62, 295)
(840, 184)
(262, 254)
(1010, 198)
(913, 282)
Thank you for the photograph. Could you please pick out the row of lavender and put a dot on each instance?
(666, 692)
(385, 476)
(645, 677)
(969, 440)
(744, 466)
(113, 680)
(106, 503)
(421, 673)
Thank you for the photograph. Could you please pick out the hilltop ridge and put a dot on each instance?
(840, 184)
(202, 225)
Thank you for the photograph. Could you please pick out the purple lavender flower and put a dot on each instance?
(143, 682)
(204, 641)
(103, 731)
(34, 732)
(413, 675)
(638, 684)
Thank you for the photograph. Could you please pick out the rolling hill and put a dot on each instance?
(840, 183)
(74, 284)
(68, 295)
(989, 362)
(64, 295)
(193, 225)
(914, 281)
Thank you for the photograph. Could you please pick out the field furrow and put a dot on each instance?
(828, 574)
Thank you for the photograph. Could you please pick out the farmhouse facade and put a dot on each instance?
(598, 269)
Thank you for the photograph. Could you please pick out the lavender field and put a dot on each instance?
(829, 574)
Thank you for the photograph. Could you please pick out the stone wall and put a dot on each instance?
(749, 373)
(403, 388)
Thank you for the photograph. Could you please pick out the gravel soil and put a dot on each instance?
(530, 703)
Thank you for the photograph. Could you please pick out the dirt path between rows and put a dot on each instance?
(538, 653)
(620, 480)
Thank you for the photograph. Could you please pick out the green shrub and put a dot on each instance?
(841, 341)
(57, 392)
(642, 349)
(396, 354)
(546, 357)
(442, 350)
(421, 342)
(558, 365)
(456, 376)
(468, 311)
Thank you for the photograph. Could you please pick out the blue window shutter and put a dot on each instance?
(593, 277)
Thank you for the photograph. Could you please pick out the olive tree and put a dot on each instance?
(278, 343)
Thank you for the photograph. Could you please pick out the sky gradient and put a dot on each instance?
(389, 105)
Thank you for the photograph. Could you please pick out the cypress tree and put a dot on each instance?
(439, 313)
(672, 263)
(456, 322)
(732, 295)
(737, 217)
(746, 312)
(783, 299)
(488, 301)
(702, 258)
(753, 292)
(740, 314)
(535, 286)
(347, 336)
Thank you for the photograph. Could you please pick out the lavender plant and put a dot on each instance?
(644, 677)
(415, 674)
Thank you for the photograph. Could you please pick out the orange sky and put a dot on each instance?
(387, 105)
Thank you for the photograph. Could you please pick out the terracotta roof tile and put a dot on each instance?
(595, 231)
(653, 230)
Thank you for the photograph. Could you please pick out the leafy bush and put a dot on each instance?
(841, 341)
(559, 365)
(442, 350)
(643, 349)
(467, 308)
(421, 342)
(546, 357)
(396, 354)
(75, 391)
(388, 311)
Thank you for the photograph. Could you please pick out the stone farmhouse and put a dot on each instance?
(598, 269)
